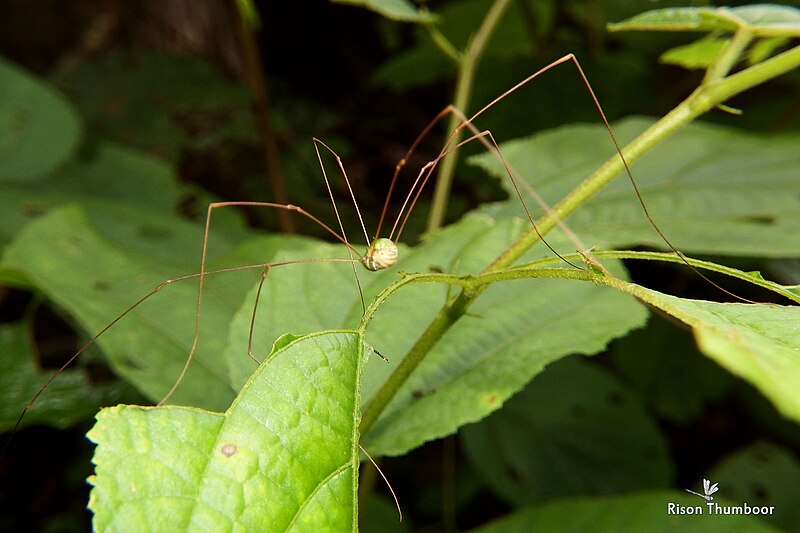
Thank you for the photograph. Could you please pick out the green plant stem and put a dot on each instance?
(442, 43)
(538, 269)
(704, 98)
(727, 59)
(469, 282)
(465, 80)
(670, 257)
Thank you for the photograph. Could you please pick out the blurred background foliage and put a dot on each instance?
(178, 94)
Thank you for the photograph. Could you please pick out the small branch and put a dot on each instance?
(443, 43)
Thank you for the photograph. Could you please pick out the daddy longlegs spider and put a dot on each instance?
(381, 253)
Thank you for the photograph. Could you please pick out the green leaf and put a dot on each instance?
(71, 398)
(762, 474)
(401, 10)
(563, 434)
(786, 17)
(283, 457)
(765, 48)
(697, 55)
(763, 20)
(95, 279)
(159, 103)
(39, 130)
(676, 19)
(511, 332)
(757, 342)
(698, 186)
(87, 180)
(634, 512)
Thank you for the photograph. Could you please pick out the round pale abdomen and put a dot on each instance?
(381, 254)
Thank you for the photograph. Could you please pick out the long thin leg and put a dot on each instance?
(571, 57)
(466, 122)
(253, 315)
(201, 276)
(317, 144)
(447, 148)
(385, 480)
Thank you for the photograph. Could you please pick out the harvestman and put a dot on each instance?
(381, 253)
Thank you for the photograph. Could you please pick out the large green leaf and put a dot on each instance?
(511, 332)
(710, 189)
(131, 198)
(758, 342)
(699, 54)
(95, 279)
(634, 512)
(38, 129)
(574, 430)
(159, 103)
(283, 457)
